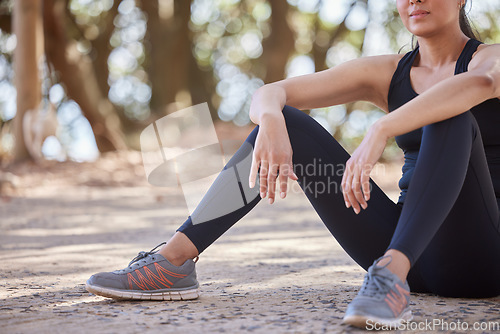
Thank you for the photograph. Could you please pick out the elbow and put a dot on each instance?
(490, 79)
(488, 84)
(483, 84)
(495, 84)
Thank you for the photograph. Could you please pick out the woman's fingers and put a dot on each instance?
(264, 167)
(270, 162)
(268, 175)
(356, 189)
(271, 181)
(343, 186)
(355, 186)
(349, 197)
(365, 182)
(356, 179)
(284, 173)
(254, 169)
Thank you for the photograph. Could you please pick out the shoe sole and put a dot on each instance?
(363, 321)
(128, 295)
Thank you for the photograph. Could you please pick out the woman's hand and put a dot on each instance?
(273, 154)
(356, 179)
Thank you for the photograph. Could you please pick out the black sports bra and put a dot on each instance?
(487, 115)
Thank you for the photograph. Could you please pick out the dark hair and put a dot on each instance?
(465, 26)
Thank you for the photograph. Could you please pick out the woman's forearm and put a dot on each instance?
(267, 103)
(446, 99)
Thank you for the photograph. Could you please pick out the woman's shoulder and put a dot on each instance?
(385, 63)
(486, 50)
(381, 64)
(378, 72)
(488, 45)
(386, 59)
(485, 55)
(485, 60)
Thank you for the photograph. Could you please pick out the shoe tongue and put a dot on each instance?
(139, 262)
(388, 276)
(379, 277)
(378, 270)
(382, 273)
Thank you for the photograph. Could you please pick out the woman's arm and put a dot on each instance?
(446, 99)
(450, 97)
(362, 79)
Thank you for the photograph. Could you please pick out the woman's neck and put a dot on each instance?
(441, 49)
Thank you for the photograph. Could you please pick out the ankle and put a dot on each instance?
(398, 271)
(174, 258)
(179, 249)
(397, 263)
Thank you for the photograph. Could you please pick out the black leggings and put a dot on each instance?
(449, 225)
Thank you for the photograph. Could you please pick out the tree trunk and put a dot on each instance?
(27, 26)
(278, 47)
(77, 74)
(158, 43)
(101, 48)
(6, 23)
(171, 66)
(168, 54)
(319, 51)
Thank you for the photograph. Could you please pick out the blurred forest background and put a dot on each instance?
(83, 77)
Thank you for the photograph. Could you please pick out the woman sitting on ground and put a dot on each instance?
(443, 235)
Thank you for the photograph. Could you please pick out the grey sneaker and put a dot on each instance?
(381, 303)
(149, 276)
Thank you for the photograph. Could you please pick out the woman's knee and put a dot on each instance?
(294, 118)
(455, 126)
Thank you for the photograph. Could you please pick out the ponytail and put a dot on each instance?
(465, 25)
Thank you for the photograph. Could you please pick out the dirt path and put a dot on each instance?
(278, 270)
